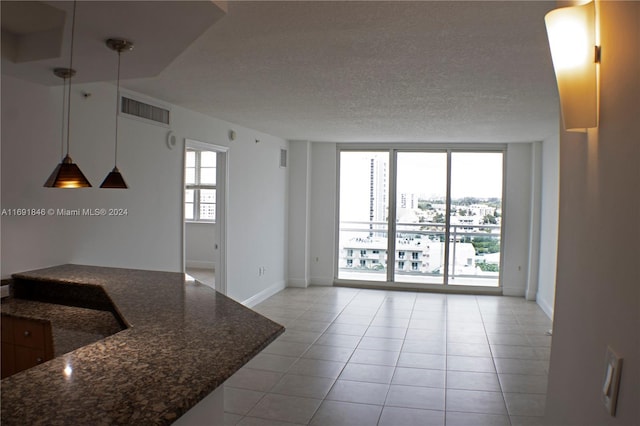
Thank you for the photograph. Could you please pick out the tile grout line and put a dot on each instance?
(284, 373)
(395, 367)
(365, 333)
(493, 361)
(446, 354)
(345, 364)
(369, 326)
(321, 334)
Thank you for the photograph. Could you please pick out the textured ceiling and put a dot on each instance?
(372, 71)
(393, 71)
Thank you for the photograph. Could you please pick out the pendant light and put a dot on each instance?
(67, 174)
(64, 74)
(114, 179)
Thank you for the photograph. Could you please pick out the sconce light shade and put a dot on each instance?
(67, 175)
(114, 180)
(571, 32)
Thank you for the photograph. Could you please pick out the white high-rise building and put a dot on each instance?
(378, 205)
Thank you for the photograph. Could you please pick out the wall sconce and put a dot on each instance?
(571, 32)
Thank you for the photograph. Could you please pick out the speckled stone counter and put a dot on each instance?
(73, 327)
(183, 341)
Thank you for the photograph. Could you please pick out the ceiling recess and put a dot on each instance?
(31, 31)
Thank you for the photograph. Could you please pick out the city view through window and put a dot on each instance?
(200, 186)
(447, 211)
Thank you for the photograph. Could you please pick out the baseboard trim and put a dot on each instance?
(301, 283)
(321, 281)
(513, 291)
(264, 294)
(200, 264)
(546, 307)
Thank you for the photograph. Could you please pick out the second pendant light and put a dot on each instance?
(114, 179)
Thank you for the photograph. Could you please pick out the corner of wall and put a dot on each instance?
(264, 294)
(544, 304)
(321, 281)
(300, 283)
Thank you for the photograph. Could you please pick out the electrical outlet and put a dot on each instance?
(611, 384)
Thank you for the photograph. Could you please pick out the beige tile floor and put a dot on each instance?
(373, 357)
(205, 276)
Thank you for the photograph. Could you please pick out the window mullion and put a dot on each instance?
(196, 193)
(447, 221)
(391, 219)
(196, 204)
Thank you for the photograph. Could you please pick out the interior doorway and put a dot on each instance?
(204, 218)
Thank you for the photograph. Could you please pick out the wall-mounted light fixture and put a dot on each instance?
(572, 39)
(67, 174)
(114, 179)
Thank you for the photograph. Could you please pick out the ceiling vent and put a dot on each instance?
(147, 112)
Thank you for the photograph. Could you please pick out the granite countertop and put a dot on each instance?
(183, 340)
(72, 327)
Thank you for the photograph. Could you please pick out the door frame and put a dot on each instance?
(222, 208)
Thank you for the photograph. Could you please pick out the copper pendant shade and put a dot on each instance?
(114, 179)
(67, 174)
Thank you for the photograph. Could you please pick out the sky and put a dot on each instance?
(472, 175)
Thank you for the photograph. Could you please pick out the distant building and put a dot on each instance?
(378, 190)
(408, 201)
(413, 255)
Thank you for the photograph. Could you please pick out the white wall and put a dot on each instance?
(29, 154)
(517, 216)
(150, 235)
(199, 241)
(323, 213)
(598, 280)
(299, 213)
(257, 222)
(145, 237)
(533, 263)
(549, 224)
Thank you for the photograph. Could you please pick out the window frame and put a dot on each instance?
(393, 151)
(197, 186)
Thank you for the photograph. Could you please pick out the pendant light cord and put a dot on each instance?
(64, 107)
(115, 161)
(73, 30)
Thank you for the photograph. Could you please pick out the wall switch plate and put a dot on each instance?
(611, 383)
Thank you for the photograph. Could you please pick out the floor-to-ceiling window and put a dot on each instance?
(421, 199)
(364, 214)
(443, 209)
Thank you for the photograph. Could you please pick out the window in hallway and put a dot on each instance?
(200, 182)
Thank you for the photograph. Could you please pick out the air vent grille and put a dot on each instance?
(283, 158)
(146, 111)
